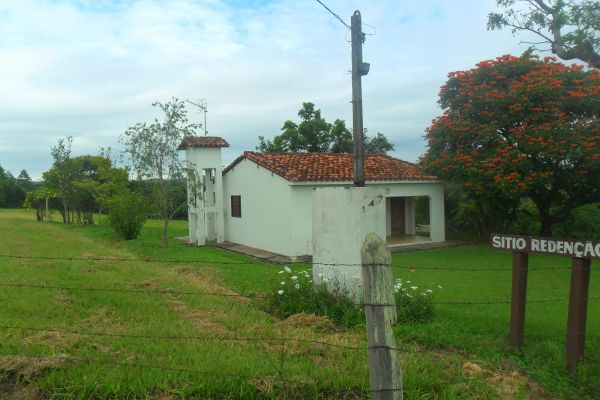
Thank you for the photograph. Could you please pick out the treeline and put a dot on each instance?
(13, 190)
(82, 186)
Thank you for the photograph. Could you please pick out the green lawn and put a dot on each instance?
(123, 358)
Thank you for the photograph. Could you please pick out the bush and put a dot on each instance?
(413, 304)
(127, 213)
(294, 293)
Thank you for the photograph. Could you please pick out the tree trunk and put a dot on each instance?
(546, 221)
(165, 234)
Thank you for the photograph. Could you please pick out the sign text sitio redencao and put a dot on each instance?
(543, 245)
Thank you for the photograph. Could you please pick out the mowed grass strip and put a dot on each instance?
(108, 365)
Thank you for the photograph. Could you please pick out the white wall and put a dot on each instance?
(342, 216)
(266, 221)
(278, 215)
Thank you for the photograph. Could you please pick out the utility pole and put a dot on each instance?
(359, 68)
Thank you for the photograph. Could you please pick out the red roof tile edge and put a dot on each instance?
(328, 167)
(202, 141)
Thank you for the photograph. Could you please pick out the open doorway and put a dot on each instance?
(407, 220)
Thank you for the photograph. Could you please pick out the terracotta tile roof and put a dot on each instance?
(202, 141)
(300, 167)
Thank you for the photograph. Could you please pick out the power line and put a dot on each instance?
(334, 14)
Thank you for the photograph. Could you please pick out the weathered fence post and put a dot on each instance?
(578, 300)
(519, 298)
(385, 377)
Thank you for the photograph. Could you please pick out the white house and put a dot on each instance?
(264, 200)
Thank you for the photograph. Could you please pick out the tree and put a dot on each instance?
(518, 127)
(569, 27)
(377, 144)
(12, 193)
(152, 149)
(83, 183)
(314, 134)
(24, 180)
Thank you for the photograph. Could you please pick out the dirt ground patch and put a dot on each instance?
(318, 323)
(202, 320)
(209, 281)
(16, 373)
(58, 340)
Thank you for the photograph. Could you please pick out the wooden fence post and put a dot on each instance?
(578, 300)
(385, 377)
(519, 298)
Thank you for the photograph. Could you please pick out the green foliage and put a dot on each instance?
(12, 190)
(314, 134)
(294, 293)
(378, 144)
(582, 223)
(519, 127)
(127, 213)
(570, 28)
(413, 303)
(83, 183)
(152, 149)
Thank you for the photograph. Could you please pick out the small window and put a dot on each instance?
(236, 206)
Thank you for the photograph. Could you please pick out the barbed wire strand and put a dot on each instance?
(218, 262)
(254, 297)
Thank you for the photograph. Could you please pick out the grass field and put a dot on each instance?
(179, 342)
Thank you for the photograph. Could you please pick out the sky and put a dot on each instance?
(92, 68)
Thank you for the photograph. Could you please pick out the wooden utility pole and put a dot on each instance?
(385, 378)
(359, 68)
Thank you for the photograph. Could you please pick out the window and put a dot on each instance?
(236, 206)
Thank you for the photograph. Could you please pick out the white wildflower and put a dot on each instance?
(408, 295)
(294, 278)
(414, 287)
(297, 286)
(281, 272)
(440, 286)
(283, 283)
(429, 291)
(280, 292)
(287, 269)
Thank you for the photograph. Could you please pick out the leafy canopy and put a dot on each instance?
(83, 183)
(570, 28)
(520, 126)
(152, 150)
(314, 134)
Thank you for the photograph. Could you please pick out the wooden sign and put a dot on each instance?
(581, 252)
(589, 249)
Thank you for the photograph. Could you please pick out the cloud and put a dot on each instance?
(91, 68)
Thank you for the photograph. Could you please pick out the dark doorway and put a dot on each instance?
(398, 216)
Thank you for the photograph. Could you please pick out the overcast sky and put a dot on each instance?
(91, 68)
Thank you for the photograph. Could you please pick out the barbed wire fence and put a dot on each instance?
(359, 391)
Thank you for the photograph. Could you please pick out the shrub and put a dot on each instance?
(127, 213)
(413, 304)
(294, 293)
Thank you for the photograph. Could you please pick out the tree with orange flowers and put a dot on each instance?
(517, 127)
